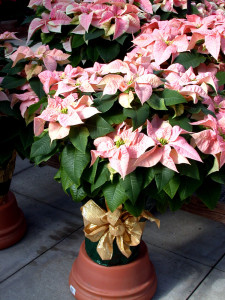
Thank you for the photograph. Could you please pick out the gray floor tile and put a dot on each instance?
(188, 235)
(21, 164)
(39, 184)
(221, 264)
(46, 278)
(177, 276)
(46, 227)
(212, 288)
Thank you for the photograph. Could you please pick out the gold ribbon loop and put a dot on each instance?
(105, 226)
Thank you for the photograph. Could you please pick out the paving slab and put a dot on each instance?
(38, 183)
(46, 227)
(221, 264)
(188, 235)
(212, 288)
(21, 164)
(177, 276)
(47, 276)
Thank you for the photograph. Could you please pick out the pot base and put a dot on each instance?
(134, 281)
(12, 222)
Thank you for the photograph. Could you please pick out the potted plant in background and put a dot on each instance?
(12, 125)
(90, 30)
(19, 88)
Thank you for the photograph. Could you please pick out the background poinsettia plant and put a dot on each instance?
(91, 30)
(151, 124)
(20, 88)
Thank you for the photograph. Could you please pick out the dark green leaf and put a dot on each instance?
(172, 186)
(183, 122)
(190, 59)
(66, 181)
(90, 173)
(163, 177)
(215, 167)
(27, 135)
(121, 39)
(162, 201)
(78, 194)
(104, 103)
(219, 176)
(189, 170)
(34, 107)
(6, 109)
(13, 71)
(135, 209)
(114, 117)
(79, 137)
(156, 102)
(148, 176)
(221, 76)
(94, 33)
(194, 10)
(47, 37)
(114, 195)
(12, 82)
(172, 97)
(74, 162)
(132, 185)
(108, 50)
(188, 186)
(77, 40)
(37, 87)
(207, 111)
(75, 58)
(175, 203)
(42, 146)
(102, 176)
(194, 109)
(92, 53)
(210, 193)
(138, 116)
(97, 127)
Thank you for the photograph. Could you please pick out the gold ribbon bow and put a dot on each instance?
(105, 226)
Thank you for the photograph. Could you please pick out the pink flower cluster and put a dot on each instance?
(65, 108)
(49, 57)
(43, 58)
(211, 7)
(115, 18)
(169, 5)
(126, 149)
(211, 140)
(160, 40)
(4, 38)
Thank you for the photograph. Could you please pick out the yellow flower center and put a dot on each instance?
(163, 141)
(64, 110)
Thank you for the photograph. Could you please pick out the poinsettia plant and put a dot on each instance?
(14, 133)
(91, 30)
(20, 88)
(150, 125)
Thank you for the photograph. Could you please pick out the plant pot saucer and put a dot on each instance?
(12, 222)
(133, 281)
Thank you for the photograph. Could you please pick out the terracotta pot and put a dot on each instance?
(12, 222)
(133, 281)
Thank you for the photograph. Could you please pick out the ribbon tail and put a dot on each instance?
(124, 248)
(147, 215)
(105, 246)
